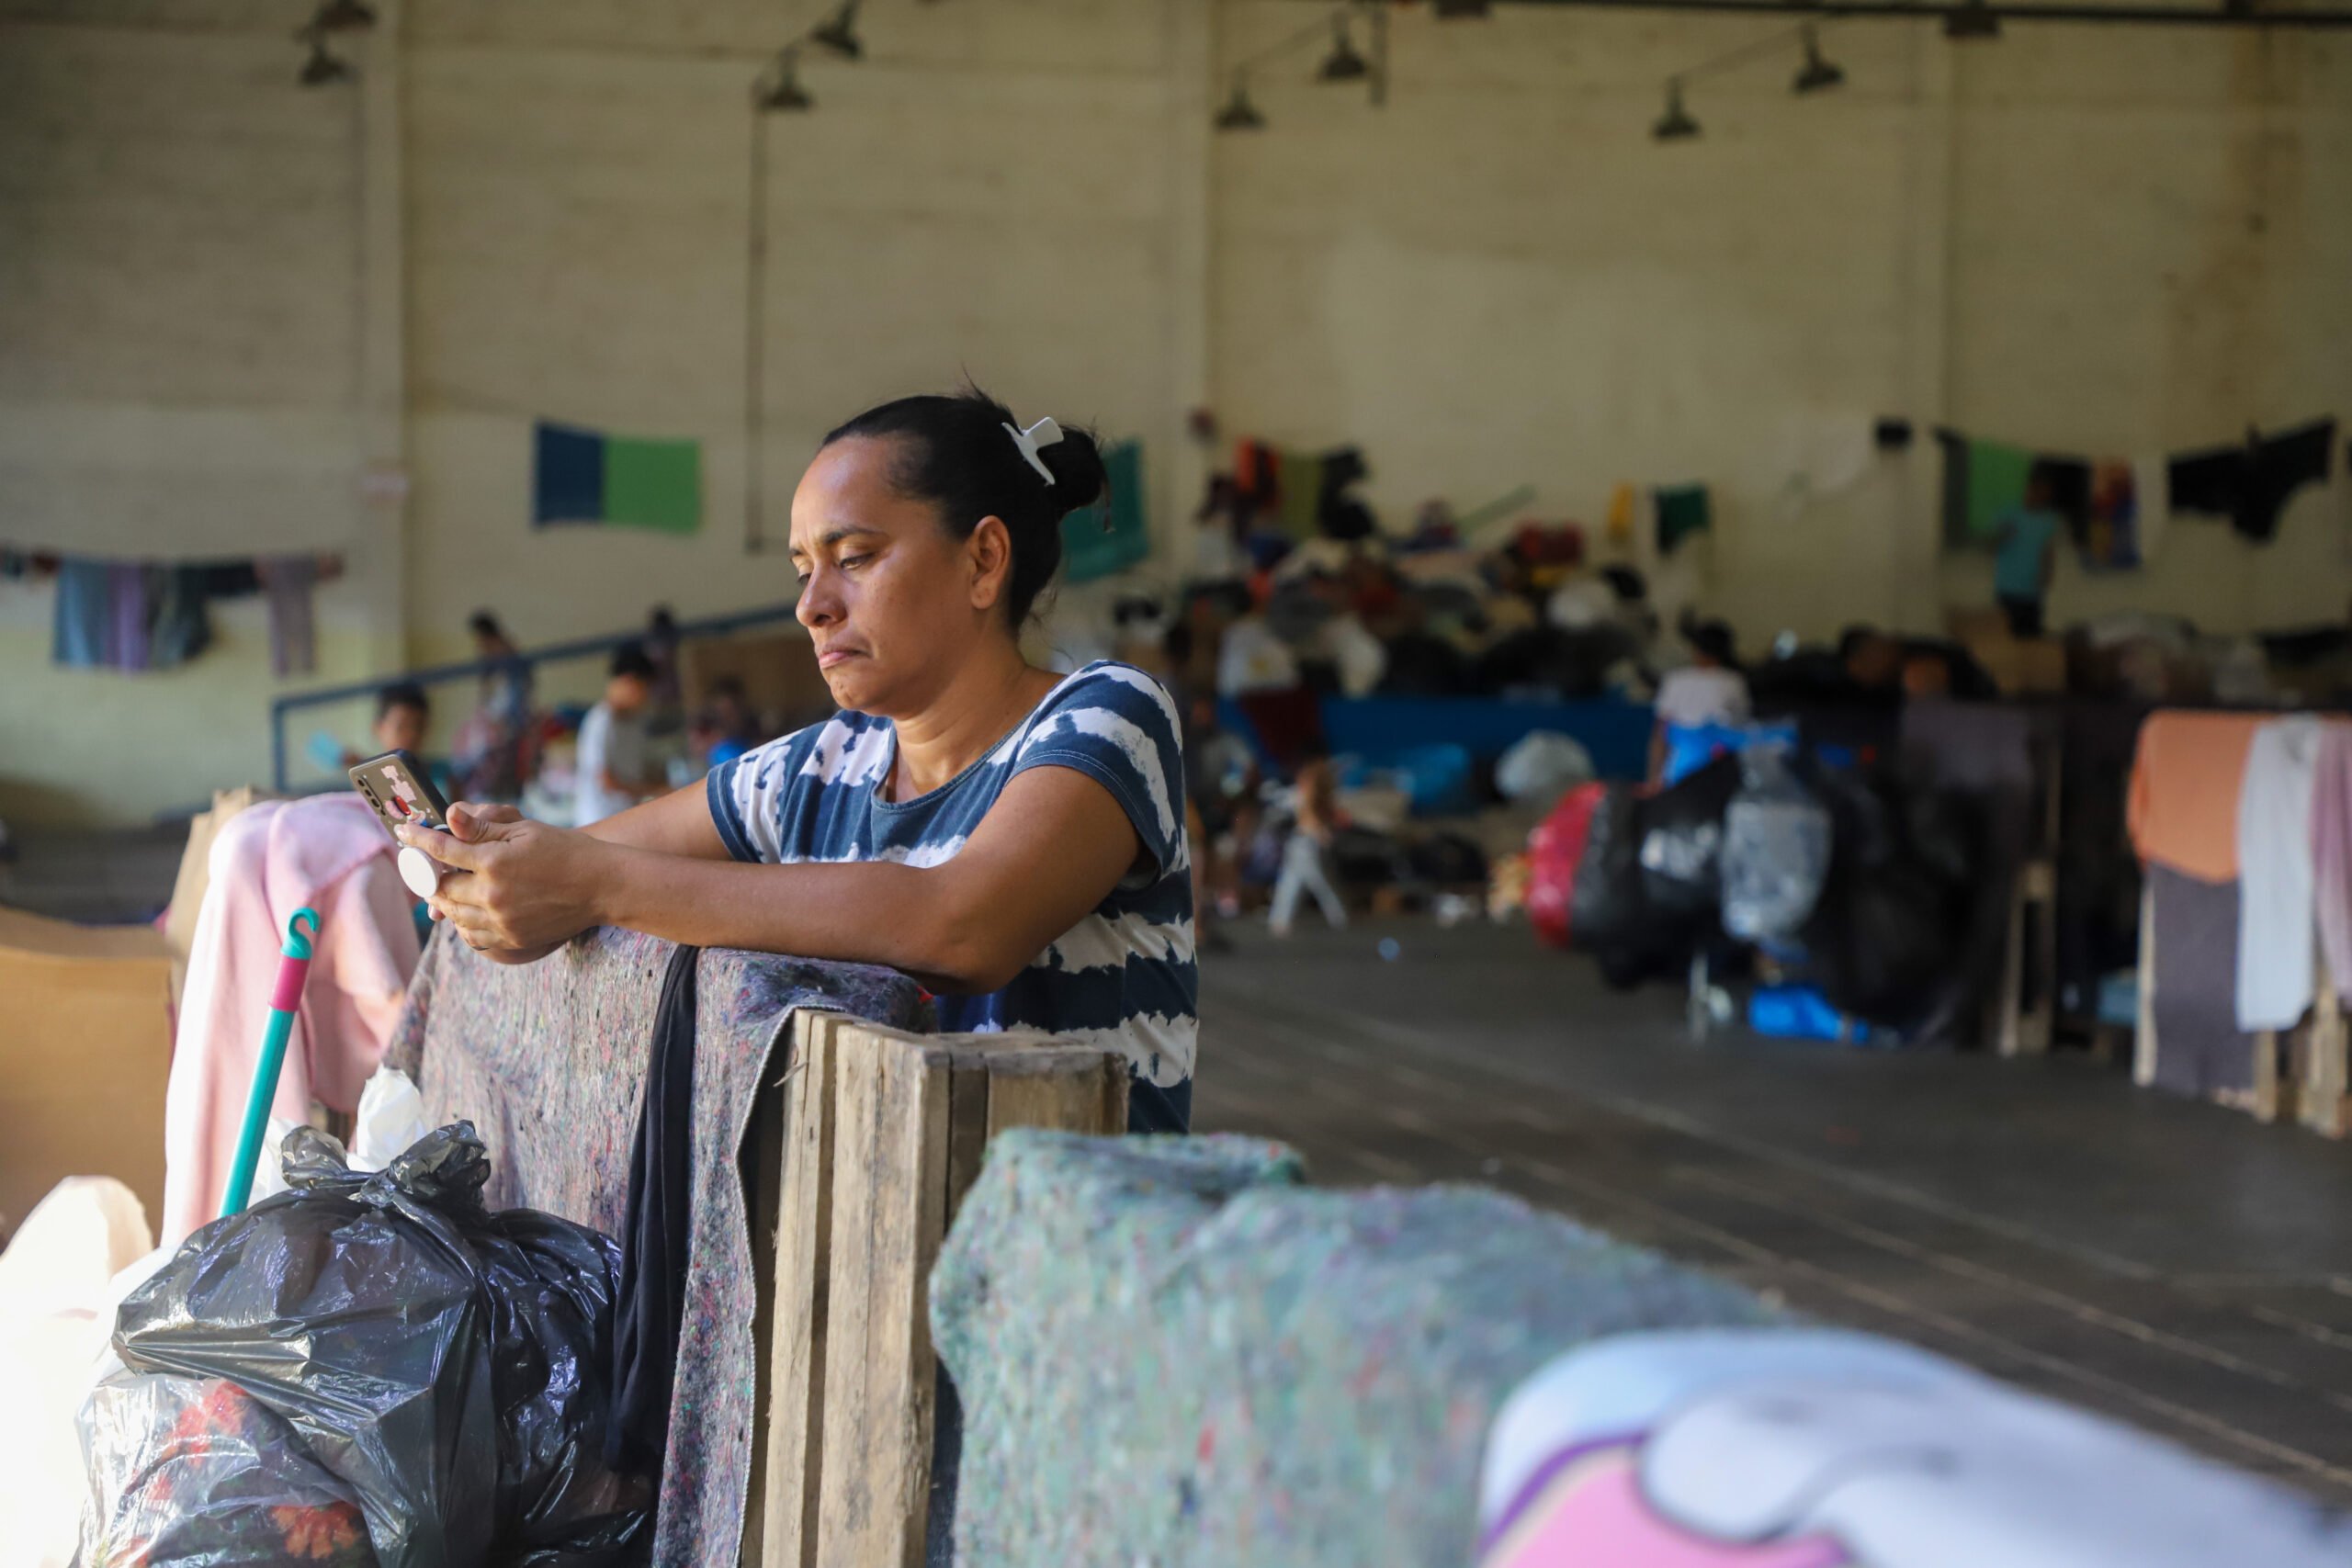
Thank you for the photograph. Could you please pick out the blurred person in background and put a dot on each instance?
(488, 753)
(615, 766)
(724, 728)
(1306, 854)
(2026, 552)
(402, 714)
(1706, 693)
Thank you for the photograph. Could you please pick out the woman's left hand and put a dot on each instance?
(514, 889)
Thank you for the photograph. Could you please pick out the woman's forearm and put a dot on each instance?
(862, 913)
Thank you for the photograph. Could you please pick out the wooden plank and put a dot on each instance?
(2264, 1100)
(967, 1128)
(1053, 1089)
(2324, 1066)
(889, 1204)
(795, 1434)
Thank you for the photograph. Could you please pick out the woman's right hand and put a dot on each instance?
(472, 823)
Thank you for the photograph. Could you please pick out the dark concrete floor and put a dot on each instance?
(2169, 1263)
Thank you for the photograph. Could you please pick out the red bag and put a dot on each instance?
(1554, 852)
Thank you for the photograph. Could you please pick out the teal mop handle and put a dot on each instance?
(293, 966)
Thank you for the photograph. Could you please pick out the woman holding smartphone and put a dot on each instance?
(1013, 838)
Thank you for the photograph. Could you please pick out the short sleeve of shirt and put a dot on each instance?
(747, 794)
(1115, 725)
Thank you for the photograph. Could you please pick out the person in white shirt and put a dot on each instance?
(1709, 690)
(614, 771)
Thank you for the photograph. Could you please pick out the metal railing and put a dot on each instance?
(471, 669)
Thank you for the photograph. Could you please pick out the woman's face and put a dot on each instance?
(895, 604)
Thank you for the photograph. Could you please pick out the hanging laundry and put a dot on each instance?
(2275, 874)
(1682, 511)
(182, 623)
(293, 637)
(1113, 535)
(126, 587)
(231, 579)
(586, 476)
(1257, 474)
(1301, 487)
(1619, 523)
(2187, 772)
(1984, 480)
(2068, 483)
(2109, 539)
(2332, 852)
(2251, 485)
(81, 633)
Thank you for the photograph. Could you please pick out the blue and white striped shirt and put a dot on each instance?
(1125, 976)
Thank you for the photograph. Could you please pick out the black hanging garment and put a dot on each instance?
(2251, 485)
(654, 1231)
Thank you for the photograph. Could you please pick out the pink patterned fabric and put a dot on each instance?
(327, 851)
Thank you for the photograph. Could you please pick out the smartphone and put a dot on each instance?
(401, 792)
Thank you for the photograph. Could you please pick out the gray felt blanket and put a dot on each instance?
(549, 1060)
(1169, 1352)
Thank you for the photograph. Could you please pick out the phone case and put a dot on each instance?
(397, 787)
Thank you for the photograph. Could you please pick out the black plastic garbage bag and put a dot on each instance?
(1893, 908)
(447, 1364)
(194, 1472)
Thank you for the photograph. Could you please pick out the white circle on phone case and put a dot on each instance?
(420, 871)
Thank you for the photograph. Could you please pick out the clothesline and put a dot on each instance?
(137, 615)
(2116, 507)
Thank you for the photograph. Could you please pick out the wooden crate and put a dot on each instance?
(878, 1137)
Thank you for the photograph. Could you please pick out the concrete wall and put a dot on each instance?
(2095, 238)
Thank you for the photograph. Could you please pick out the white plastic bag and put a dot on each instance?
(1542, 766)
(56, 1312)
(391, 1118)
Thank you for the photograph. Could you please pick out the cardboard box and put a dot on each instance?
(85, 1051)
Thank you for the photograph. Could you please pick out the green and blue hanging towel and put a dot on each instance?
(588, 476)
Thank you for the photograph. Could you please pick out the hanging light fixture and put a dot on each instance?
(1447, 10)
(1675, 124)
(1971, 18)
(839, 32)
(1816, 74)
(782, 93)
(1240, 113)
(1343, 63)
(322, 69)
(343, 16)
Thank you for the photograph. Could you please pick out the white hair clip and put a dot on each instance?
(1045, 432)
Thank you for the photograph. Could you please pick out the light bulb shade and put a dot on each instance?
(1240, 113)
(840, 32)
(1816, 74)
(1343, 63)
(322, 69)
(344, 17)
(1675, 124)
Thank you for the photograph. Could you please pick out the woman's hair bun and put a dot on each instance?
(1076, 463)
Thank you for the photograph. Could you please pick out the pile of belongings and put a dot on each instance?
(371, 1369)
(1854, 880)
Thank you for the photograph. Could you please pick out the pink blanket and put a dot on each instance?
(327, 851)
